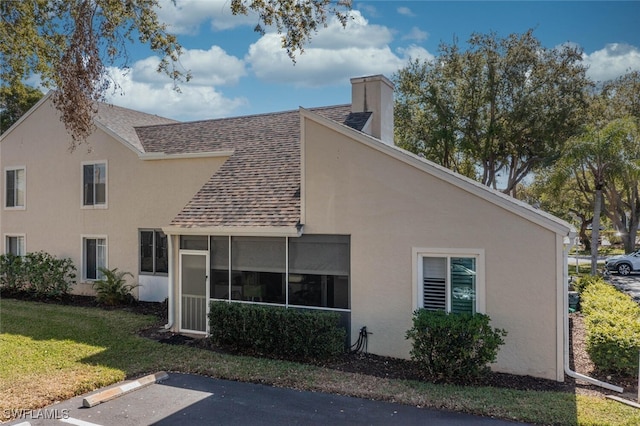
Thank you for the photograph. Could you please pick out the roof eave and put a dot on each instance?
(235, 231)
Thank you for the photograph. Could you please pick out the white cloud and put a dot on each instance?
(144, 89)
(405, 11)
(208, 67)
(187, 16)
(414, 52)
(416, 34)
(357, 33)
(613, 61)
(334, 55)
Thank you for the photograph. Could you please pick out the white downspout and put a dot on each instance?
(170, 315)
(565, 308)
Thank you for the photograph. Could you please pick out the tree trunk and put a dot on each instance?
(584, 238)
(630, 239)
(595, 230)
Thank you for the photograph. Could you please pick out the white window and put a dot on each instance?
(15, 187)
(14, 244)
(94, 257)
(449, 280)
(94, 184)
(154, 257)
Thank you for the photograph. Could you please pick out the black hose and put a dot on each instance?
(361, 342)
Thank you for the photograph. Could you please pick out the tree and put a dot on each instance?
(503, 107)
(594, 159)
(622, 96)
(14, 102)
(623, 191)
(620, 99)
(70, 43)
(571, 200)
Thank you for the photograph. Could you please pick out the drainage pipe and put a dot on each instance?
(565, 307)
(170, 294)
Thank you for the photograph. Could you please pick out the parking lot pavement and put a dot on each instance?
(629, 284)
(184, 399)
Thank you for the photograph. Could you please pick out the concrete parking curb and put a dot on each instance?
(108, 394)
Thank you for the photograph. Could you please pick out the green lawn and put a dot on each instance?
(50, 352)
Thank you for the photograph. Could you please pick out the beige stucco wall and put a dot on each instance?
(141, 194)
(390, 208)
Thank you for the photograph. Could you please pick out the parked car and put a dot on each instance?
(623, 264)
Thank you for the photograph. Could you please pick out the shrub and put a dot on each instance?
(275, 331)
(585, 281)
(454, 346)
(12, 273)
(612, 322)
(37, 274)
(48, 276)
(113, 289)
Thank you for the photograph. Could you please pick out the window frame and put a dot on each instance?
(106, 185)
(7, 245)
(418, 253)
(24, 189)
(83, 252)
(154, 232)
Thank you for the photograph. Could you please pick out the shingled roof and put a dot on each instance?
(122, 122)
(259, 185)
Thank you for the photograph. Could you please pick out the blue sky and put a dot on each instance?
(238, 72)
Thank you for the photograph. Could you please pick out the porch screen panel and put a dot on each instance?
(434, 283)
(319, 268)
(220, 268)
(258, 269)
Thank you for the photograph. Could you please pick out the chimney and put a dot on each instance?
(374, 94)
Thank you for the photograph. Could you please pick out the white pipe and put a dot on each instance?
(565, 298)
(170, 316)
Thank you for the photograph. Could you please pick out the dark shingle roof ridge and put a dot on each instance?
(244, 117)
(105, 106)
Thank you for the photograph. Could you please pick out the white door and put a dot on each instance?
(193, 291)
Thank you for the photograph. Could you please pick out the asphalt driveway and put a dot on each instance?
(184, 399)
(629, 284)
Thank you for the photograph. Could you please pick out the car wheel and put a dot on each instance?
(624, 269)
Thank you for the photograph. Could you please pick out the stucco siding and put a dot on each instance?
(140, 194)
(391, 208)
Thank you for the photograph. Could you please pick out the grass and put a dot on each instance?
(50, 353)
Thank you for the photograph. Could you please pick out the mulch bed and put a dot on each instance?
(394, 368)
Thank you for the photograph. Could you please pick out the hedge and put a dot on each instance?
(612, 322)
(275, 331)
(454, 346)
(38, 274)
